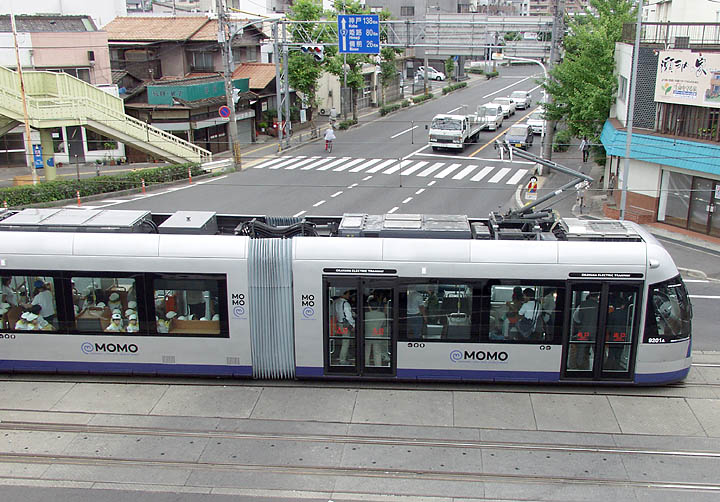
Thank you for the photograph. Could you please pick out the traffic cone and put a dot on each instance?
(190, 174)
(143, 185)
(77, 192)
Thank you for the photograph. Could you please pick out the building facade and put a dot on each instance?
(673, 175)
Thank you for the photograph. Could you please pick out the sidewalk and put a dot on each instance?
(595, 198)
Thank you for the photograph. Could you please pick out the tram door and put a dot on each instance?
(603, 320)
(360, 327)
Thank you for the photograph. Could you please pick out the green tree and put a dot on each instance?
(388, 69)
(449, 67)
(582, 85)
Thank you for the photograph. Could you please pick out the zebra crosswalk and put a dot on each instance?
(420, 168)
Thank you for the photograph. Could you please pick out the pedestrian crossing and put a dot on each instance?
(420, 168)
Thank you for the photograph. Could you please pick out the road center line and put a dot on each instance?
(393, 210)
(354, 184)
(366, 178)
(319, 203)
(407, 200)
(453, 110)
(431, 183)
(403, 132)
(422, 190)
(297, 215)
(507, 87)
(336, 194)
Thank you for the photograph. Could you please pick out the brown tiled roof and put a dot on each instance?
(260, 74)
(156, 28)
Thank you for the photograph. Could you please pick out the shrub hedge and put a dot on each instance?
(478, 71)
(424, 97)
(561, 142)
(492, 74)
(49, 191)
(453, 87)
(346, 124)
(384, 110)
(405, 103)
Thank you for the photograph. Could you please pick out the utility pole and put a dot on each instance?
(225, 41)
(558, 30)
(28, 139)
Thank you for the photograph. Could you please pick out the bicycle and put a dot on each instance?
(328, 145)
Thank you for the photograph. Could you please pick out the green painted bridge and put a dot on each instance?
(58, 99)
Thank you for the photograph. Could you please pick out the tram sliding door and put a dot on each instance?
(360, 326)
(603, 319)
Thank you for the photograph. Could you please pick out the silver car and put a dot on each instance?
(523, 100)
(536, 120)
(508, 105)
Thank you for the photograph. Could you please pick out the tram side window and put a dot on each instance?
(437, 311)
(106, 304)
(190, 305)
(28, 303)
(525, 312)
(669, 313)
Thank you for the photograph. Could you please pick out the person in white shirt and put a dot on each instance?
(23, 324)
(45, 299)
(375, 334)
(7, 295)
(329, 137)
(115, 324)
(530, 309)
(132, 326)
(416, 314)
(345, 324)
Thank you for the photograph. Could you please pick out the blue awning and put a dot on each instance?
(675, 152)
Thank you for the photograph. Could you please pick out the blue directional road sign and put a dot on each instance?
(359, 34)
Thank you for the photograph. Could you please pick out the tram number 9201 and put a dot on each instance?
(416, 345)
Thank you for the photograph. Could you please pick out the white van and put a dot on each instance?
(493, 115)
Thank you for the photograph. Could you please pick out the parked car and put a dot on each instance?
(520, 136)
(536, 120)
(433, 74)
(508, 105)
(523, 100)
(493, 114)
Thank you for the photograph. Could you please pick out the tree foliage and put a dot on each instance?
(583, 84)
(303, 70)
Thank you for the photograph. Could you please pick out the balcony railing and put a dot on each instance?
(675, 35)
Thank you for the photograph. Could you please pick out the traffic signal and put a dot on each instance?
(316, 50)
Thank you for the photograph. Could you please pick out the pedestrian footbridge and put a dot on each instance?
(58, 99)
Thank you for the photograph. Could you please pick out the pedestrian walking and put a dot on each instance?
(585, 148)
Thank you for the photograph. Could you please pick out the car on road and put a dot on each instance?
(433, 74)
(523, 100)
(508, 105)
(520, 136)
(493, 115)
(536, 120)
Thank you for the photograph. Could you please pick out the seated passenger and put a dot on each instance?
(115, 302)
(44, 298)
(32, 322)
(115, 324)
(132, 326)
(23, 324)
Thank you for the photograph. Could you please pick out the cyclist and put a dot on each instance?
(329, 137)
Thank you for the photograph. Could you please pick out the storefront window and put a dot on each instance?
(678, 199)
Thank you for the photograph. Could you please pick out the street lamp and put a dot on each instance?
(500, 56)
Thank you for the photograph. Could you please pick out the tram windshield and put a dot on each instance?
(669, 312)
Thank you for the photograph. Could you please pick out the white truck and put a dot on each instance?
(453, 131)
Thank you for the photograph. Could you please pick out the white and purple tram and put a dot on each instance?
(394, 297)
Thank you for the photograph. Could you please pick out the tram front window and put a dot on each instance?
(669, 313)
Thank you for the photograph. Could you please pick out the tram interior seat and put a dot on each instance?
(93, 319)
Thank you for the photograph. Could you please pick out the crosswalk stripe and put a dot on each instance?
(464, 172)
(517, 176)
(367, 164)
(348, 165)
(431, 169)
(380, 167)
(483, 172)
(398, 167)
(317, 163)
(287, 162)
(416, 167)
(333, 164)
(499, 175)
(269, 163)
(447, 170)
(301, 163)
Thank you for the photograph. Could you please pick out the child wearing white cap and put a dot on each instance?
(22, 324)
(132, 326)
(32, 322)
(115, 323)
(115, 302)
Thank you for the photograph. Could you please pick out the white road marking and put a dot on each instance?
(393, 210)
(476, 159)
(319, 203)
(397, 167)
(336, 194)
(381, 166)
(420, 191)
(453, 110)
(704, 297)
(506, 87)
(696, 280)
(355, 184)
(410, 170)
(431, 169)
(416, 152)
(517, 176)
(403, 132)
(464, 172)
(431, 183)
(297, 215)
(333, 163)
(317, 163)
(484, 172)
(499, 175)
(447, 170)
(407, 200)
(367, 164)
(366, 178)
(287, 162)
(269, 163)
(301, 163)
(348, 165)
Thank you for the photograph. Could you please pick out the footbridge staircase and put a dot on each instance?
(59, 99)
